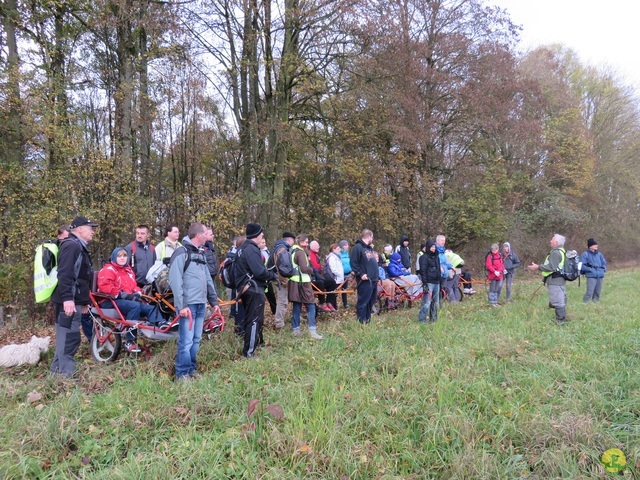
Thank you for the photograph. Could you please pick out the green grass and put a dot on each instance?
(483, 393)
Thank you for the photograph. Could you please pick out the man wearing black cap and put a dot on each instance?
(71, 296)
(282, 246)
(251, 280)
(593, 267)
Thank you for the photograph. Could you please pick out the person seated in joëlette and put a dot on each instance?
(118, 280)
(403, 277)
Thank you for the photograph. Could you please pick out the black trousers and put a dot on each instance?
(367, 296)
(254, 319)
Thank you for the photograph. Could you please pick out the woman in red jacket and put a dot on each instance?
(495, 273)
(118, 280)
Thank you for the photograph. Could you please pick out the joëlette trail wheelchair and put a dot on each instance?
(110, 325)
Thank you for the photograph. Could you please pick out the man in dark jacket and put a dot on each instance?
(251, 280)
(142, 254)
(594, 267)
(431, 278)
(364, 265)
(71, 296)
(210, 253)
(405, 254)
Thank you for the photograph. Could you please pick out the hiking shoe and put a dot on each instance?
(278, 326)
(297, 332)
(315, 335)
(332, 308)
(132, 347)
(195, 374)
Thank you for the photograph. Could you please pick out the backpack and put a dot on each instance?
(227, 272)
(326, 271)
(280, 259)
(45, 270)
(572, 265)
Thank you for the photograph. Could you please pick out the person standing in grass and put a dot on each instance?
(495, 274)
(553, 279)
(430, 275)
(364, 265)
(346, 266)
(300, 289)
(594, 267)
(511, 262)
(71, 295)
(192, 287)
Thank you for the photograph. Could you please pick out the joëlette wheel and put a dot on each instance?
(105, 344)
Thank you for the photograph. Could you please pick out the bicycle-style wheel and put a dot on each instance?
(105, 344)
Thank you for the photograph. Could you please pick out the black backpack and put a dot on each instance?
(227, 272)
(326, 271)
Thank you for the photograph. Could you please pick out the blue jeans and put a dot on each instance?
(134, 310)
(311, 315)
(189, 341)
(430, 303)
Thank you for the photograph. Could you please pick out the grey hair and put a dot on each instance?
(440, 237)
(495, 246)
(560, 239)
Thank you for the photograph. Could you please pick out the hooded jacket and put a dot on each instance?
(396, 268)
(405, 254)
(193, 285)
(113, 278)
(444, 263)
(430, 265)
(363, 260)
(511, 260)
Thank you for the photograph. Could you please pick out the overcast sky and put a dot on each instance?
(603, 33)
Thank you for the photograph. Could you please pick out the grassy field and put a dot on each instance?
(483, 393)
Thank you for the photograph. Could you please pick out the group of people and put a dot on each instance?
(293, 272)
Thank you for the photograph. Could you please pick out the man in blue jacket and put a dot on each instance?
(594, 267)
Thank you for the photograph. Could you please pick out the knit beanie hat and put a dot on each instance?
(253, 230)
(343, 243)
(287, 235)
(591, 242)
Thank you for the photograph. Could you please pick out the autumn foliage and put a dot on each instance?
(413, 117)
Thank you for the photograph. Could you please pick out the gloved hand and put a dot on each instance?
(136, 296)
(129, 296)
(505, 272)
(497, 272)
(166, 261)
